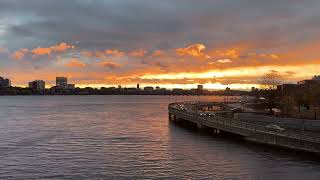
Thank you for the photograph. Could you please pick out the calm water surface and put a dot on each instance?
(126, 137)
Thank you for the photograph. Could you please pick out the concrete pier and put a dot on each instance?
(247, 130)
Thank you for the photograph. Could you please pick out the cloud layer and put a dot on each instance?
(170, 42)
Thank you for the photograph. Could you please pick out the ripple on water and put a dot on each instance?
(126, 137)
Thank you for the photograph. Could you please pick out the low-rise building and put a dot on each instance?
(70, 86)
(316, 78)
(200, 87)
(286, 87)
(148, 88)
(309, 83)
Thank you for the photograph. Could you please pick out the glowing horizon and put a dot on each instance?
(172, 47)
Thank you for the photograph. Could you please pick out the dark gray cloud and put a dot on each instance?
(131, 24)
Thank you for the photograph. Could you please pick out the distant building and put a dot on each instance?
(303, 82)
(1, 82)
(70, 86)
(316, 78)
(38, 85)
(177, 90)
(308, 82)
(62, 83)
(148, 88)
(138, 86)
(158, 88)
(7, 83)
(200, 88)
(4, 82)
(286, 87)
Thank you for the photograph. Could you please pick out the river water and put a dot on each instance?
(127, 137)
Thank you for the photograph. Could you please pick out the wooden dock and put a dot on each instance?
(249, 131)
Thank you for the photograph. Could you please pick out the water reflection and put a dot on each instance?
(126, 137)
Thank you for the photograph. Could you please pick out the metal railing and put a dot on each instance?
(235, 123)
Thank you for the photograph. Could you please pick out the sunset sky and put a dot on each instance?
(170, 43)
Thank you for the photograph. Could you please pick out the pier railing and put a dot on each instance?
(237, 126)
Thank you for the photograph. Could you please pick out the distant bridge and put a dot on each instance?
(187, 111)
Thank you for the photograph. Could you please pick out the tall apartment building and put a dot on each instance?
(62, 83)
(38, 85)
(4, 82)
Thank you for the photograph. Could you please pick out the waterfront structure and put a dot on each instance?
(37, 85)
(226, 120)
(4, 82)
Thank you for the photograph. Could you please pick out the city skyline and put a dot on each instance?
(171, 44)
(269, 81)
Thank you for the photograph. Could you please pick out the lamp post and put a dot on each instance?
(302, 128)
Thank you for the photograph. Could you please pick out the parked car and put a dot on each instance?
(274, 127)
(210, 114)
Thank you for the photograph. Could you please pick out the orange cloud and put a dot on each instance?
(237, 65)
(138, 53)
(223, 61)
(88, 54)
(229, 53)
(158, 53)
(76, 63)
(48, 50)
(108, 64)
(18, 55)
(274, 56)
(194, 50)
(99, 54)
(114, 52)
(61, 47)
(264, 56)
(232, 53)
(41, 51)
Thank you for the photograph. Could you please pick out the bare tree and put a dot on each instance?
(270, 80)
(269, 83)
